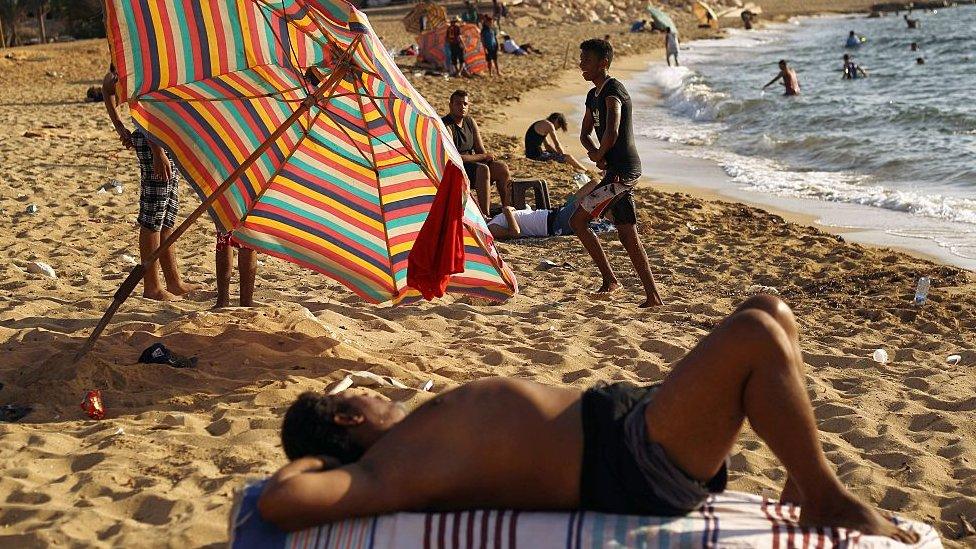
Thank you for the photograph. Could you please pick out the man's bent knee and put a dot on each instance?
(770, 305)
(761, 335)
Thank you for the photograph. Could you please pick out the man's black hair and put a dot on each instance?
(558, 120)
(601, 48)
(458, 93)
(309, 429)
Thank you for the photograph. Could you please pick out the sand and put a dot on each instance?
(161, 468)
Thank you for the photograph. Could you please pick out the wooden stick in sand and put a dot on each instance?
(130, 283)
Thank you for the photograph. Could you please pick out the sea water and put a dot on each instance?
(892, 153)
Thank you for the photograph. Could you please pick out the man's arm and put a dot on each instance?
(556, 146)
(162, 169)
(110, 99)
(773, 81)
(586, 132)
(513, 230)
(479, 146)
(304, 494)
(610, 132)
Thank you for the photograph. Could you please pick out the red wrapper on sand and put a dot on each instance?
(92, 405)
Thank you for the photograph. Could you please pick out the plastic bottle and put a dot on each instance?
(880, 356)
(922, 290)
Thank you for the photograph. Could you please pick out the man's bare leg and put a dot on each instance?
(152, 288)
(581, 226)
(247, 265)
(748, 368)
(482, 188)
(499, 174)
(638, 256)
(224, 258)
(174, 282)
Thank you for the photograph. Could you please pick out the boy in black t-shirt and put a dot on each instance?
(608, 111)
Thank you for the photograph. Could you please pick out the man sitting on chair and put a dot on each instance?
(504, 443)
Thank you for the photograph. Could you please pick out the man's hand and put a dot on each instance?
(124, 135)
(488, 157)
(162, 170)
(601, 163)
(595, 156)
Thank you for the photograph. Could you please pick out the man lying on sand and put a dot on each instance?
(512, 223)
(506, 443)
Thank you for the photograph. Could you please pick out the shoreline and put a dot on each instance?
(565, 95)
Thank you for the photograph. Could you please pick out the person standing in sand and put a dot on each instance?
(247, 265)
(158, 201)
(608, 111)
(790, 81)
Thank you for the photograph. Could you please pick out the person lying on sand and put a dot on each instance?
(510, 46)
(505, 443)
(791, 85)
(512, 223)
(542, 144)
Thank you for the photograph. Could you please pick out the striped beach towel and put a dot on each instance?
(730, 519)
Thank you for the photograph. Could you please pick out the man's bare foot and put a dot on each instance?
(846, 511)
(791, 493)
(608, 286)
(653, 300)
(161, 295)
(222, 303)
(182, 288)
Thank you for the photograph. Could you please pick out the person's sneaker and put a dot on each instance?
(157, 353)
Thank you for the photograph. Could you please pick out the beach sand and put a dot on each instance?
(161, 468)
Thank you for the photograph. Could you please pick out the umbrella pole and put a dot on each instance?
(132, 280)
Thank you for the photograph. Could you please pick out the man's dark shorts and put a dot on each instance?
(613, 197)
(457, 53)
(491, 54)
(471, 169)
(159, 200)
(623, 470)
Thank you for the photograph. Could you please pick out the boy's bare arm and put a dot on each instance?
(111, 101)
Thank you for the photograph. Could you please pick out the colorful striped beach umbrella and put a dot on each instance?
(299, 132)
(434, 49)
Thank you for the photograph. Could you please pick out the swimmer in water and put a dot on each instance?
(790, 81)
(852, 70)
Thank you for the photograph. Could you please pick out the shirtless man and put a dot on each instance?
(158, 201)
(788, 75)
(505, 443)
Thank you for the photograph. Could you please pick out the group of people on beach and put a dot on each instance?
(850, 68)
(618, 448)
(159, 203)
(492, 39)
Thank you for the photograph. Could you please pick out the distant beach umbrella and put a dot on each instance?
(303, 138)
(661, 19)
(434, 49)
(432, 15)
(705, 15)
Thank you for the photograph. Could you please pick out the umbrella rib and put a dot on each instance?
(145, 98)
(289, 51)
(241, 98)
(311, 37)
(379, 190)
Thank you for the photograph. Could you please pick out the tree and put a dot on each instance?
(11, 14)
(41, 9)
(82, 18)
